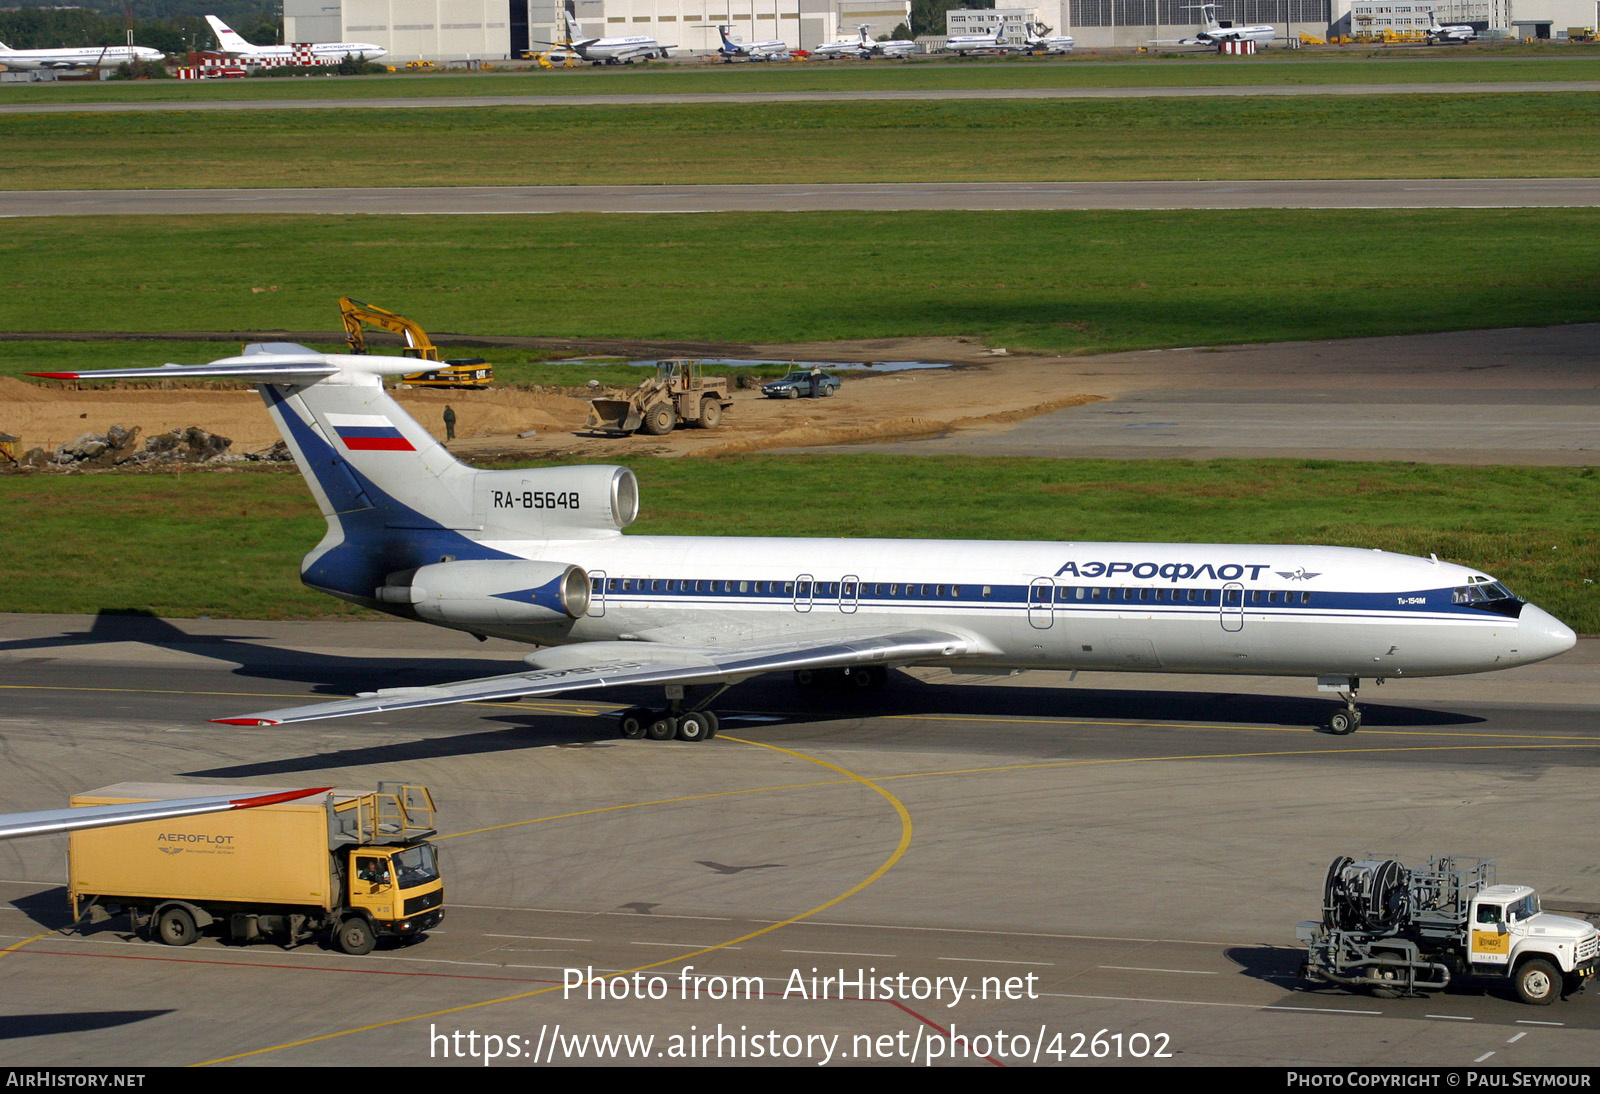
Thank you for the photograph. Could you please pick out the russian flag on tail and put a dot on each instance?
(369, 433)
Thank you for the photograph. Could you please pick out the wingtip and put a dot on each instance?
(273, 799)
(244, 721)
(55, 375)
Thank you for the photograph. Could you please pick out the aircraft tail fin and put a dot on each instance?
(394, 498)
(722, 32)
(227, 38)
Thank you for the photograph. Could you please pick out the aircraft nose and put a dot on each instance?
(1541, 635)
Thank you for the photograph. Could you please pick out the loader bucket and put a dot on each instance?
(613, 416)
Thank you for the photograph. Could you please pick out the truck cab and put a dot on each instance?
(1511, 935)
(398, 888)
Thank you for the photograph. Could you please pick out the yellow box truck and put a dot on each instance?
(355, 864)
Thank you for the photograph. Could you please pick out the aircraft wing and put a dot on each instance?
(50, 821)
(589, 665)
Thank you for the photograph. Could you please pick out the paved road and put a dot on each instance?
(1510, 396)
(1055, 846)
(1232, 194)
(1521, 87)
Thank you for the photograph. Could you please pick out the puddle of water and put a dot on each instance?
(735, 362)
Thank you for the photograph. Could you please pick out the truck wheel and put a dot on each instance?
(175, 927)
(1538, 982)
(660, 420)
(354, 936)
(710, 414)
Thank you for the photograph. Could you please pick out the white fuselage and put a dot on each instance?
(771, 49)
(321, 52)
(1262, 610)
(618, 49)
(981, 43)
(87, 57)
(1215, 33)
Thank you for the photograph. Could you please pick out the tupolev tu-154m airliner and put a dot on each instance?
(538, 555)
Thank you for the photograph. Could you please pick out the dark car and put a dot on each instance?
(798, 383)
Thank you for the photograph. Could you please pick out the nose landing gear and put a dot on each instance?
(1345, 721)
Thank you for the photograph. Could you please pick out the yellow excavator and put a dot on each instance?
(469, 372)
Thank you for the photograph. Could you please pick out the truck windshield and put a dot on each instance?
(416, 865)
(1526, 908)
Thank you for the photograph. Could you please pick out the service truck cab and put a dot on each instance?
(1511, 935)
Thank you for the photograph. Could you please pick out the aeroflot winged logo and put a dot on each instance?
(369, 433)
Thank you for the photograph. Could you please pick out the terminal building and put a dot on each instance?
(445, 30)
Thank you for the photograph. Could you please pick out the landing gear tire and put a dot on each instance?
(663, 727)
(175, 927)
(695, 726)
(633, 723)
(1342, 723)
(1538, 983)
(355, 937)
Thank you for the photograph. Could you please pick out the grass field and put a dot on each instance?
(1423, 136)
(1066, 282)
(228, 544)
(1489, 64)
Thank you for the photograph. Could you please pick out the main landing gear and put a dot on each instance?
(686, 724)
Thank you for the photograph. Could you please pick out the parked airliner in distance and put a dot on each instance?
(48, 822)
(773, 49)
(994, 41)
(1214, 33)
(864, 48)
(86, 57)
(1455, 32)
(1037, 37)
(538, 555)
(608, 51)
(233, 45)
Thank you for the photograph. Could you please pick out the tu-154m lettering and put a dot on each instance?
(539, 555)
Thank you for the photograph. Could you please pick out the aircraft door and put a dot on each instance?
(1232, 606)
(804, 590)
(1041, 603)
(849, 593)
(597, 593)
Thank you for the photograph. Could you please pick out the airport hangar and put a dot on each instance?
(444, 30)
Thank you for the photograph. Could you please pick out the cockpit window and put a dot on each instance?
(1482, 593)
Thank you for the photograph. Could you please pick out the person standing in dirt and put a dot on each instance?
(449, 422)
(816, 381)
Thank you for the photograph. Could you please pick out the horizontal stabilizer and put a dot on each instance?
(260, 369)
(618, 664)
